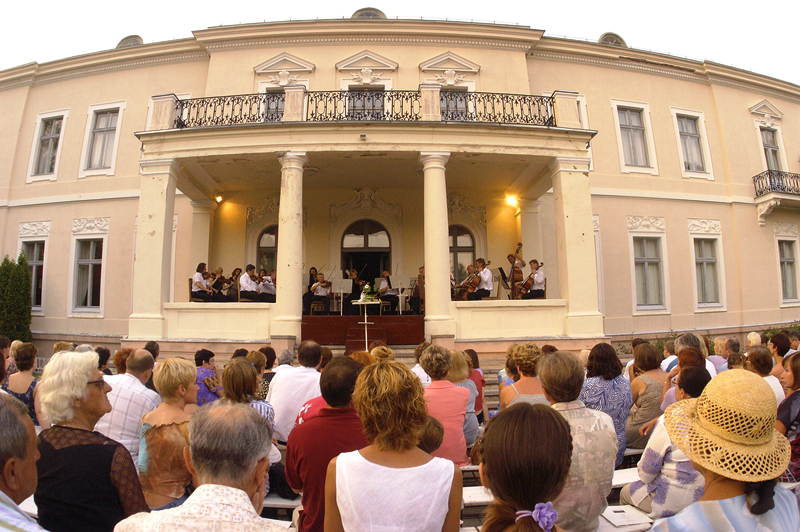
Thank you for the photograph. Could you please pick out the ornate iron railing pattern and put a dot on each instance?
(229, 110)
(363, 105)
(776, 181)
(462, 106)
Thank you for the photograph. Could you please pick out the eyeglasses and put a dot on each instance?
(99, 381)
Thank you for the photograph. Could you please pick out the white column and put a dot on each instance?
(152, 263)
(530, 225)
(202, 216)
(439, 323)
(289, 295)
(577, 267)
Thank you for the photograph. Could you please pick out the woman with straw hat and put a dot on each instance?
(729, 435)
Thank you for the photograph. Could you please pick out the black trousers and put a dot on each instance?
(392, 300)
(266, 298)
(477, 295)
(249, 294)
(205, 296)
(534, 294)
(325, 300)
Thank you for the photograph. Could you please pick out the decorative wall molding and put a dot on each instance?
(653, 224)
(34, 228)
(596, 222)
(449, 61)
(367, 76)
(89, 225)
(284, 62)
(450, 78)
(456, 203)
(283, 78)
(764, 209)
(366, 60)
(270, 209)
(784, 229)
(366, 199)
(711, 227)
(766, 112)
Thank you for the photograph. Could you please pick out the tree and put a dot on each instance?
(15, 299)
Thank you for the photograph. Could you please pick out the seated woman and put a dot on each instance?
(86, 481)
(259, 362)
(667, 481)
(391, 484)
(163, 435)
(759, 360)
(447, 403)
(646, 390)
(605, 389)
(788, 422)
(527, 389)
(22, 384)
(208, 377)
(728, 435)
(688, 356)
(458, 373)
(476, 376)
(523, 488)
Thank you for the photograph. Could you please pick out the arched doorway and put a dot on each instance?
(267, 253)
(366, 246)
(462, 251)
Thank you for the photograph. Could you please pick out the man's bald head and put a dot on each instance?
(139, 362)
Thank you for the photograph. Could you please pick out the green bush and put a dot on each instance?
(15, 299)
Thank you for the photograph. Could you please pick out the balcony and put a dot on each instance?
(775, 188)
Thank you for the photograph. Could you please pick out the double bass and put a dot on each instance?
(516, 276)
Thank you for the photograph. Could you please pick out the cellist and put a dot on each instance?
(537, 290)
(465, 287)
(485, 286)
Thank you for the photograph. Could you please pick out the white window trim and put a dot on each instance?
(41, 117)
(87, 139)
(648, 129)
(722, 306)
(775, 126)
(787, 303)
(38, 311)
(647, 310)
(701, 125)
(77, 312)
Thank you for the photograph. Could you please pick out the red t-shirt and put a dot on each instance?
(477, 377)
(310, 409)
(311, 447)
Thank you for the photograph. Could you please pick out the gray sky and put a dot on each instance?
(745, 35)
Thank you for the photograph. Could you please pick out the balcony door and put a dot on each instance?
(366, 248)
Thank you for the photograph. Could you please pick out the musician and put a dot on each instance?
(419, 292)
(354, 295)
(266, 289)
(219, 286)
(387, 293)
(320, 290)
(461, 287)
(537, 290)
(199, 288)
(312, 278)
(486, 285)
(515, 273)
(248, 284)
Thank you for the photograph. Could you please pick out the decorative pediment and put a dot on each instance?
(34, 228)
(367, 199)
(366, 60)
(457, 204)
(646, 223)
(711, 227)
(268, 213)
(89, 225)
(764, 108)
(284, 62)
(784, 229)
(450, 61)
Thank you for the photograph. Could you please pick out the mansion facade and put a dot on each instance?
(661, 193)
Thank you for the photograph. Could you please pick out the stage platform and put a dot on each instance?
(349, 330)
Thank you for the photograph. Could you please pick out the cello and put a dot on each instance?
(467, 286)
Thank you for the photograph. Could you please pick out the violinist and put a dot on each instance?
(321, 290)
(537, 274)
(418, 295)
(354, 295)
(266, 289)
(312, 278)
(387, 293)
(200, 289)
(219, 286)
(248, 284)
(486, 284)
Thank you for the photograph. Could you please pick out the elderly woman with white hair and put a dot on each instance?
(87, 482)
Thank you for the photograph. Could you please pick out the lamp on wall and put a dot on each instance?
(511, 200)
(219, 199)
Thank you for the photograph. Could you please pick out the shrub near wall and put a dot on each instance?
(15, 299)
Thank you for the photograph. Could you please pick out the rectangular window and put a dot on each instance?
(771, 150)
(104, 131)
(691, 144)
(706, 269)
(788, 269)
(647, 259)
(49, 135)
(454, 104)
(634, 141)
(88, 273)
(34, 253)
(365, 103)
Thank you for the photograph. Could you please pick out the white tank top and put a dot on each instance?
(374, 498)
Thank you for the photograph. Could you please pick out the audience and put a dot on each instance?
(731, 347)
(527, 388)
(18, 456)
(606, 390)
(120, 359)
(327, 356)
(735, 361)
(788, 421)
(363, 357)
(154, 349)
(753, 339)
(103, 357)
(311, 446)
(239, 385)
(164, 434)
(5, 348)
(290, 389)
(779, 345)
(728, 434)
(719, 358)
(417, 369)
(759, 360)
(447, 403)
(432, 435)
(525, 459)
(259, 362)
(130, 401)
(646, 393)
(392, 481)
(228, 456)
(457, 374)
(87, 482)
(689, 356)
(208, 377)
(667, 481)
(594, 444)
(22, 384)
(284, 360)
(268, 373)
(476, 376)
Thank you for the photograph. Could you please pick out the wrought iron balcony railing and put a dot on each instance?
(230, 110)
(463, 106)
(363, 105)
(776, 181)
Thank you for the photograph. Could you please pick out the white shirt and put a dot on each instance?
(13, 518)
(197, 278)
(246, 284)
(538, 280)
(776, 386)
(486, 280)
(130, 401)
(267, 287)
(389, 291)
(287, 393)
(320, 290)
(423, 377)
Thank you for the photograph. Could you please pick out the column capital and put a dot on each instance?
(203, 206)
(434, 158)
(292, 159)
(571, 164)
(527, 205)
(168, 165)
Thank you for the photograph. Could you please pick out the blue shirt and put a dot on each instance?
(613, 397)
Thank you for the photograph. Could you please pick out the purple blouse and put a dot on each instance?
(209, 384)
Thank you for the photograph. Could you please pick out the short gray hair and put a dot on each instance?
(83, 348)
(687, 340)
(285, 357)
(227, 441)
(13, 434)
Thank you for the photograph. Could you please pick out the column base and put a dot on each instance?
(146, 326)
(440, 326)
(286, 327)
(590, 324)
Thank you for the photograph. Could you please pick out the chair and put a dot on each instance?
(239, 294)
(319, 306)
(191, 294)
(385, 304)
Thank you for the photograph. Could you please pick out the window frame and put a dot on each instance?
(644, 108)
(455, 249)
(73, 311)
(771, 147)
(383, 84)
(722, 305)
(32, 163)
(775, 126)
(649, 231)
(708, 172)
(45, 240)
(793, 238)
(88, 136)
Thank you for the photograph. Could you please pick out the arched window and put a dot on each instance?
(268, 249)
(366, 246)
(462, 251)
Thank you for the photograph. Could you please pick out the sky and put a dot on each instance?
(758, 37)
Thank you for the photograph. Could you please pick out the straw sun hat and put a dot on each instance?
(730, 428)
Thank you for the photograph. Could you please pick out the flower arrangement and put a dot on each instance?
(368, 293)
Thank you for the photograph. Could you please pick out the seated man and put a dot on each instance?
(229, 457)
(486, 285)
(289, 389)
(266, 290)
(387, 293)
(537, 289)
(314, 443)
(321, 290)
(248, 284)
(18, 456)
(594, 444)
